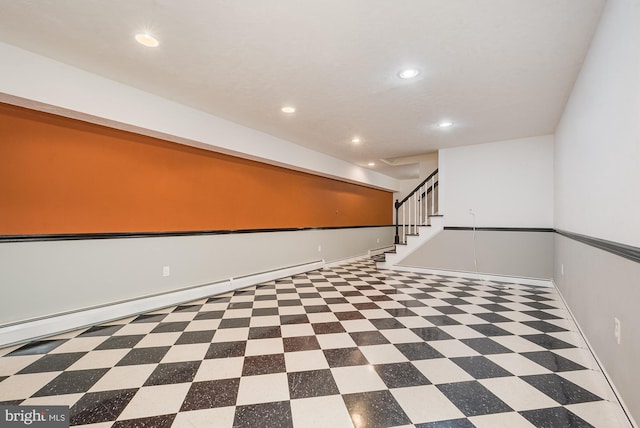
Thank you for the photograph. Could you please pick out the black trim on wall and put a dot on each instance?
(502, 229)
(125, 235)
(622, 250)
(627, 251)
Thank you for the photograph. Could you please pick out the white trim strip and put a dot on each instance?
(475, 275)
(383, 250)
(260, 278)
(339, 262)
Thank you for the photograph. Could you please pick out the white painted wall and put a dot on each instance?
(597, 193)
(33, 81)
(428, 163)
(597, 153)
(507, 183)
(405, 187)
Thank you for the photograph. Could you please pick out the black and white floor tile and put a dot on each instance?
(340, 347)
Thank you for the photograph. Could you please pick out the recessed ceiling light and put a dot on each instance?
(371, 164)
(445, 124)
(356, 140)
(408, 73)
(288, 109)
(147, 40)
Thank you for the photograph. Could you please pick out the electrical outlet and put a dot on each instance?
(377, 240)
(319, 248)
(617, 330)
(562, 269)
(166, 271)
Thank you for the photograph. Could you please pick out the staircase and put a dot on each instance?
(417, 221)
(413, 242)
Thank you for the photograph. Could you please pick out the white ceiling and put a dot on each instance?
(499, 69)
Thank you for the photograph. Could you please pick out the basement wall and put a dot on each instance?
(597, 170)
(505, 190)
(509, 253)
(91, 216)
(51, 277)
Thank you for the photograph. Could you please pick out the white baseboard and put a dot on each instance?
(475, 275)
(382, 250)
(56, 324)
(336, 263)
(259, 278)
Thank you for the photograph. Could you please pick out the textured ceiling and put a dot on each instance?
(499, 69)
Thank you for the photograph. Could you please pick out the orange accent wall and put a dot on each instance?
(59, 175)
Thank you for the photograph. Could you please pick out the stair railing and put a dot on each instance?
(414, 210)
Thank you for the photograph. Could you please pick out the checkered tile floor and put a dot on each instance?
(340, 347)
